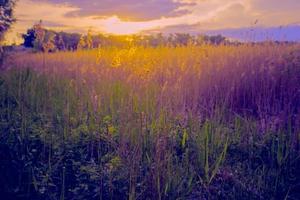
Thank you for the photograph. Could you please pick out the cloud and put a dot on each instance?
(134, 16)
(276, 12)
(275, 5)
(133, 10)
(59, 14)
(235, 15)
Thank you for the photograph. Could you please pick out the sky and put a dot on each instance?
(279, 19)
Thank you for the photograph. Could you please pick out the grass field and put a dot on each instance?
(209, 122)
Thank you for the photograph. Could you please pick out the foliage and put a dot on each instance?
(42, 39)
(6, 16)
(81, 44)
(6, 20)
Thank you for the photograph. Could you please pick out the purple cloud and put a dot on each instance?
(275, 5)
(136, 10)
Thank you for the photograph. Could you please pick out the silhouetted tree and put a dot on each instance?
(35, 36)
(81, 43)
(59, 42)
(6, 20)
(40, 38)
(97, 40)
(71, 40)
(170, 40)
(48, 42)
(89, 40)
(6, 16)
(182, 39)
(29, 38)
(39, 34)
(217, 39)
(202, 40)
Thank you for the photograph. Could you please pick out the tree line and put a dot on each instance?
(42, 39)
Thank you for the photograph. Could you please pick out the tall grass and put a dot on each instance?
(152, 123)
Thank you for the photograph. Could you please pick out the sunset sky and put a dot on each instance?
(233, 18)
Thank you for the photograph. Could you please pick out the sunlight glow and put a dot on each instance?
(115, 25)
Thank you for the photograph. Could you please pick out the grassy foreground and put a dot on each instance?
(152, 123)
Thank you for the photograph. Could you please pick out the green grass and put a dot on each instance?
(96, 131)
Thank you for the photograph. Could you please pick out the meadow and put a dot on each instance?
(194, 122)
